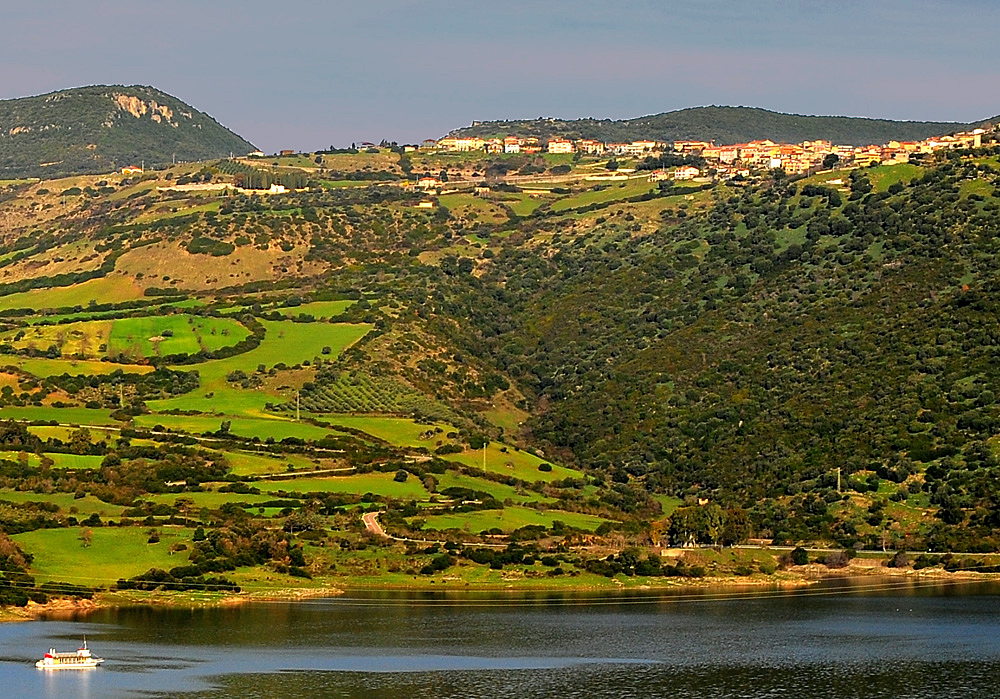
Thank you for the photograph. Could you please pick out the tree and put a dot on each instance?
(830, 160)
(683, 529)
(79, 441)
(737, 528)
(184, 505)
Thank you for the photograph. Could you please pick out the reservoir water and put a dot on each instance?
(870, 638)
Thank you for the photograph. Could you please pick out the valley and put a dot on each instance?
(581, 376)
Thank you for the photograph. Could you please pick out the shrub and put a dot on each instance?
(201, 245)
(900, 560)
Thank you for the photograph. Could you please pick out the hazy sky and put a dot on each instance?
(305, 75)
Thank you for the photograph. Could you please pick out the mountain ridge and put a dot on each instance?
(99, 128)
(723, 124)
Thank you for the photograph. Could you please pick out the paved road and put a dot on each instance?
(371, 524)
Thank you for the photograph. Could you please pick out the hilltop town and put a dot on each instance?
(724, 161)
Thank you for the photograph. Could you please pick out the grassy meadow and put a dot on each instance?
(151, 336)
(113, 553)
(320, 310)
(376, 483)
(113, 288)
(512, 462)
(509, 519)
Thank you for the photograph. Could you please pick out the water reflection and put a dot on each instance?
(842, 639)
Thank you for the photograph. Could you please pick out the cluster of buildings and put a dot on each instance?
(809, 156)
(530, 144)
(725, 160)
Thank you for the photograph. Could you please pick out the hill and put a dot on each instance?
(723, 125)
(105, 127)
(531, 367)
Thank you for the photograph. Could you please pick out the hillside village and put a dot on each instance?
(727, 160)
(511, 350)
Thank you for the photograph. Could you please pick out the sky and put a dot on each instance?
(308, 75)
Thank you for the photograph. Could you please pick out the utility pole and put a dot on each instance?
(121, 397)
(485, 444)
(297, 407)
(838, 479)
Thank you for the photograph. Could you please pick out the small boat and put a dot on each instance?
(79, 660)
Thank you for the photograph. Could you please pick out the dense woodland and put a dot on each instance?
(749, 373)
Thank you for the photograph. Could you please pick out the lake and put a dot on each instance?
(867, 638)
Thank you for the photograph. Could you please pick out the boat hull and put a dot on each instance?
(42, 665)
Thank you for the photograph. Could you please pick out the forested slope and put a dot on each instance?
(723, 125)
(792, 330)
(104, 127)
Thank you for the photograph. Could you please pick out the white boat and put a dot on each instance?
(79, 660)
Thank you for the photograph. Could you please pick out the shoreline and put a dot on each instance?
(797, 578)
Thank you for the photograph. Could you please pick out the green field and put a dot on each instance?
(285, 342)
(395, 430)
(113, 553)
(519, 464)
(151, 336)
(84, 339)
(79, 507)
(500, 491)
(614, 191)
(263, 427)
(96, 433)
(509, 519)
(111, 289)
(244, 464)
(340, 184)
(34, 460)
(884, 176)
(668, 502)
(210, 499)
(524, 204)
(321, 310)
(75, 461)
(69, 416)
(377, 483)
